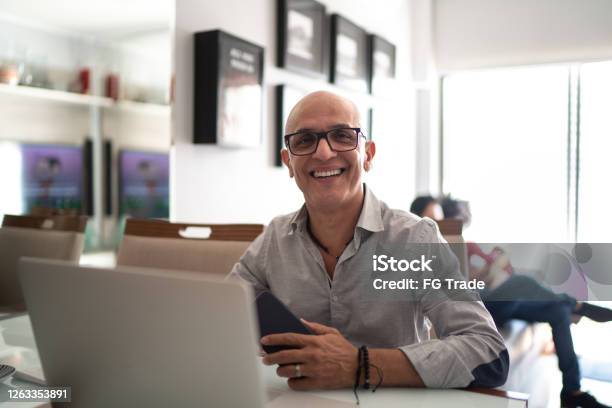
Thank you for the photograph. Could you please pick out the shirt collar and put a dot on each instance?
(298, 221)
(370, 218)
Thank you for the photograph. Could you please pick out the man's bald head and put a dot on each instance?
(324, 103)
(330, 179)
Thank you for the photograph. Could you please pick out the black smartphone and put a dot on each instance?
(274, 317)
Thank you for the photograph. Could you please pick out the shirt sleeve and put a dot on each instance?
(250, 268)
(469, 351)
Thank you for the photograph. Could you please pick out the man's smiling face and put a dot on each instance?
(327, 178)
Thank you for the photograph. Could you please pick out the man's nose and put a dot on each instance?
(324, 151)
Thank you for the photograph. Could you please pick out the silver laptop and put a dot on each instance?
(129, 337)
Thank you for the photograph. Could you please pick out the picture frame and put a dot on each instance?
(349, 55)
(228, 90)
(144, 183)
(381, 65)
(303, 37)
(53, 177)
(286, 98)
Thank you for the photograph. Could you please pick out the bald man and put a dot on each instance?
(312, 261)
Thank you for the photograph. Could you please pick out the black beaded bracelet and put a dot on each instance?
(363, 363)
(365, 360)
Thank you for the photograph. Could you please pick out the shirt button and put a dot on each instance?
(335, 298)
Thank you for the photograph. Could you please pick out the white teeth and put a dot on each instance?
(327, 173)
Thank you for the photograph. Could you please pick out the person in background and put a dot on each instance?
(427, 206)
(495, 269)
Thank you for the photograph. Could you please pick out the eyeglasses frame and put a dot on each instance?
(323, 135)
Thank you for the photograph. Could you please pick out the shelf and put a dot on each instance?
(55, 95)
(142, 107)
(72, 98)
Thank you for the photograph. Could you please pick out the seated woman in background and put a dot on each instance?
(552, 308)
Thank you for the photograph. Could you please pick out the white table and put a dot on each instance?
(17, 348)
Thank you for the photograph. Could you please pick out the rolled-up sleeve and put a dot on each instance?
(469, 351)
(250, 268)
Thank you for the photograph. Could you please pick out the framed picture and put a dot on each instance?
(382, 65)
(303, 32)
(228, 74)
(52, 177)
(349, 54)
(286, 98)
(144, 181)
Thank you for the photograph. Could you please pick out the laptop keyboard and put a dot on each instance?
(5, 371)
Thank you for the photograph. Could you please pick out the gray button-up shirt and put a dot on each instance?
(285, 261)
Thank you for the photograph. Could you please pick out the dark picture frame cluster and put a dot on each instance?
(228, 71)
(332, 48)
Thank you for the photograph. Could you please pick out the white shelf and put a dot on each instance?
(142, 107)
(72, 98)
(55, 95)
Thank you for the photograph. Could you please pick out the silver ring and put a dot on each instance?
(298, 371)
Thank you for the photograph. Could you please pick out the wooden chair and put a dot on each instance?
(66, 223)
(55, 237)
(166, 245)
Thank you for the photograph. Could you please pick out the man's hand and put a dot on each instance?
(326, 359)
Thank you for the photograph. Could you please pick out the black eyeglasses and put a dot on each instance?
(339, 140)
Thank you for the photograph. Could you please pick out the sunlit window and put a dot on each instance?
(505, 137)
(11, 200)
(594, 193)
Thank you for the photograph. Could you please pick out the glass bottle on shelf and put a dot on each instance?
(11, 65)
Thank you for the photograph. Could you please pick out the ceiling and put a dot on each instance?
(111, 20)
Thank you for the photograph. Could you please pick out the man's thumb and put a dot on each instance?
(318, 328)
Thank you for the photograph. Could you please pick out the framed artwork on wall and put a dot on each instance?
(349, 54)
(303, 32)
(228, 76)
(144, 180)
(382, 65)
(286, 98)
(52, 177)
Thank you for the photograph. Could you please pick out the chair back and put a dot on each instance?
(210, 248)
(54, 237)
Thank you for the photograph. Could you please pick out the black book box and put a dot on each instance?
(228, 76)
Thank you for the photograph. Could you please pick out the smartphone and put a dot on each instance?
(274, 317)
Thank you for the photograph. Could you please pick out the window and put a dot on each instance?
(505, 148)
(11, 199)
(594, 221)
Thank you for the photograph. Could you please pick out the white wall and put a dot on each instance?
(211, 184)
(488, 33)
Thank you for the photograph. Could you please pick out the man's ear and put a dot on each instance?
(370, 151)
(286, 161)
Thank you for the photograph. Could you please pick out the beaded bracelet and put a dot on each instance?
(365, 360)
(363, 363)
